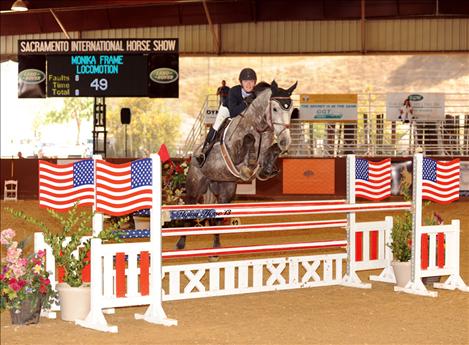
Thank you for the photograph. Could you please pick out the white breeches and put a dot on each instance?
(223, 113)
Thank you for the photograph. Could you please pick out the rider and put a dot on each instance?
(239, 97)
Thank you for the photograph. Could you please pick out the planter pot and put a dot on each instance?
(402, 271)
(28, 313)
(74, 302)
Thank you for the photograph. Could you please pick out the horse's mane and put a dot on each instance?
(261, 86)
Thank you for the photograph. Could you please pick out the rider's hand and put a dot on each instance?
(248, 100)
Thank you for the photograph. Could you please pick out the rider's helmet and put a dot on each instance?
(247, 74)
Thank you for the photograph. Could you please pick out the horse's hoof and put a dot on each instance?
(213, 258)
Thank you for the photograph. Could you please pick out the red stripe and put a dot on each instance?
(374, 184)
(441, 189)
(55, 165)
(45, 184)
(112, 165)
(120, 275)
(359, 246)
(110, 180)
(440, 201)
(251, 205)
(448, 163)
(122, 204)
(248, 227)
(45, 179)
(375, 176)
(144, 273)
(122, 213)
(101, 171)
(57, 173)
(359, 195)
(247, 250)
(374, 164)
(440, 237)
(112, 189)
(441, 195)
(59, 203)
(454, 176)
(119, 198)
(374, 245)
(424, 254)
(90, 191)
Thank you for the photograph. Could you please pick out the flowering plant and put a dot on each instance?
(174, 182)
(401, 244)
(22, 278)
(75, 236)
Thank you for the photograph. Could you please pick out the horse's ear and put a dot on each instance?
(274, 87)
(293, 87)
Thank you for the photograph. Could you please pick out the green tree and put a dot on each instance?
(154, 122)
(74, 109)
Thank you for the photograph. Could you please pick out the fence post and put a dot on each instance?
(155, 313)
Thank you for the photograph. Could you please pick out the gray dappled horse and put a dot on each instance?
(248, 148)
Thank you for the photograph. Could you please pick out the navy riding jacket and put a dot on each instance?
(235, 102)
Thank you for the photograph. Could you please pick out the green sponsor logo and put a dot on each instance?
(32, 76)
(415, 98)
(164, 75)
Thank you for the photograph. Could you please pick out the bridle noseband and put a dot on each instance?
(270, 123)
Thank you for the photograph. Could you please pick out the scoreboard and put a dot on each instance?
(98, 68)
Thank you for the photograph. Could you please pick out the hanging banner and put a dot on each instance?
(464, 182)
(210, 115)
(328, 107)
(408, 107)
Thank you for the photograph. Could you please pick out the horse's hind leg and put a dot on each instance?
(196, 186)
(225, 192)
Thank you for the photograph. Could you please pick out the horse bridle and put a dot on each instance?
(270, 123)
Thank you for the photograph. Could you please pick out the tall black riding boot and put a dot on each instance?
(208, 144)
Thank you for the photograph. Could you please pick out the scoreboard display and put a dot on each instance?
(98, 68)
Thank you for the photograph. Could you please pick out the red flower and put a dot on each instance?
(43, 289)
(2, 276)
(179, 169)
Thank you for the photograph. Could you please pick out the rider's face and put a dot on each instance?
(248, 85)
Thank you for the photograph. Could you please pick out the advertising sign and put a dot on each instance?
(415, 106)
(328, 107)
(210, 115)
(99, 68)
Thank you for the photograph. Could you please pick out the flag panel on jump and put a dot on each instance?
(123, 188)
(61, 186)
(372, 179)
(440, 180)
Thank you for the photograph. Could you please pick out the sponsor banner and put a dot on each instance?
(210, 115)
(415, 106)
(308, 176)
(401, 176)
(78, 46)
(328, 107)
(32, 76)
(464, 183)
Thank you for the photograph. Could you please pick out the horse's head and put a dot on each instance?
(278, 113)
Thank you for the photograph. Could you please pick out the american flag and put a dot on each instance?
(373, 179)
(440, 180)
(123, 188)
(61, 186)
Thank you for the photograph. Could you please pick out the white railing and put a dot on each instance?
(371, 134)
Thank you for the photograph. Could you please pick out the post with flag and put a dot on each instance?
(358, 233)
(155, 313)
(439, 256)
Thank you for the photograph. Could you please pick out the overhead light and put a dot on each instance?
(19, 6)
